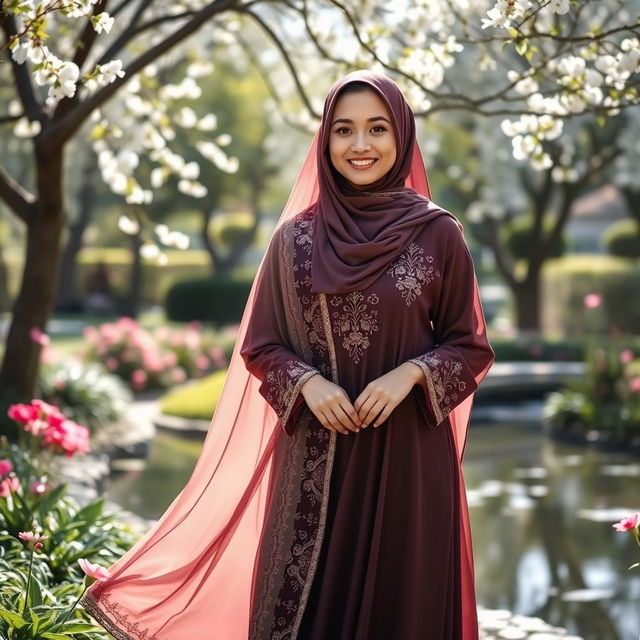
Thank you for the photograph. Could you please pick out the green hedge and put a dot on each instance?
(220, 301)
(518, 233)
(565, 283)
(622, 239)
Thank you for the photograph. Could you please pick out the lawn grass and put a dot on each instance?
(196, 400)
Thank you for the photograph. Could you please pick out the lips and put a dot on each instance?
(362, 163)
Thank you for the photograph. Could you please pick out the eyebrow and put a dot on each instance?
(349, 121)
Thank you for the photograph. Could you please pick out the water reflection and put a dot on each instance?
(541, 516)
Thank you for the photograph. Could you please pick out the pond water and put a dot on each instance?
(541, 516)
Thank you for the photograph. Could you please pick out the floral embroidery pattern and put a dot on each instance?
(355, 322)
(411, 273)
(443, 382)
(307, 533)
(284, 385)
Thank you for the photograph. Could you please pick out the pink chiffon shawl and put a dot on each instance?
(193, 571)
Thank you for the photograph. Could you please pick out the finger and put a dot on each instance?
(374, 411)
(337, 421)
(349, 409)
(322, 419)
(365, 408)
(386, 412)
(360, 400)
(345, 419)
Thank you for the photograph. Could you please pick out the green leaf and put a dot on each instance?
(79, 627)
(13, 618)
(54, 636)
(36, 621)
(35, 593)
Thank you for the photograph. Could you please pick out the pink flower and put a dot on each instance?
(22, 413)
(202, 362)
(6, 466)
(635, 385)
(626, 524)
(94, 571)
(90, 334)
(67, 437)
(592, 300)
(170, 359)
(33, 540)
(139, 379)
(111, 364)
(39, 337)
(626, 356)
(48, 412)
(9, 485)
(39, 487)
(178, 374)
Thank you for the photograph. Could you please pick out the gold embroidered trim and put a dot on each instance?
(287, 251)
(433, 396)
(275, 556)
(315, 554)
(326, 321)
(294, 394)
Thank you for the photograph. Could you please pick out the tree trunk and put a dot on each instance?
(5, 298)
(132, 305)
(527, 300)
(67, 295)
(34, 303)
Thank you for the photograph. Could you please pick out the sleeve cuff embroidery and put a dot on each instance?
(442, 383)
(285, 384)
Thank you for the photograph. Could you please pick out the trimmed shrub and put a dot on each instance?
(196, 400)
(622, 239)
(218, 300)
(518, 237)
(612, 285)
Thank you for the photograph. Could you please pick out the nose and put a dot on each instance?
(360, 143)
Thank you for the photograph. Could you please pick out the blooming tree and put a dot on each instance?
(79, 70)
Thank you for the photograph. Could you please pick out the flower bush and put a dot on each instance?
(149, 360)
(607, 398)
(85, 392)
(47, 541)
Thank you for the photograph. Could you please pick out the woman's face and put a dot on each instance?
(362, 144)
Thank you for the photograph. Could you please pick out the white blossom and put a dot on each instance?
(128, 226)
(24, 128)
(102, 22)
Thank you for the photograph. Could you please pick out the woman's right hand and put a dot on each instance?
(330, 404)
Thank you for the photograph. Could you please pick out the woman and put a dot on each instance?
(328, 502)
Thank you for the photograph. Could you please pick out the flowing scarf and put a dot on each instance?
(193, 573)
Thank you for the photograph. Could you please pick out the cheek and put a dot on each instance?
(336, 149)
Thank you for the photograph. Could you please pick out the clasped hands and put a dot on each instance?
(332, 406)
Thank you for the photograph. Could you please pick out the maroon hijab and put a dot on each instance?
(359, 233)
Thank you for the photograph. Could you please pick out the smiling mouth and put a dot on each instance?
(365, 163)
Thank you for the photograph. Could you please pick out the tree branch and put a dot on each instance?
(21, 74)
(287, 59)
(15, 196)
(61, 130)
(4, 119)
(264, 75)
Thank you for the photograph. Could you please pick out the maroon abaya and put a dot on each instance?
(388, 566)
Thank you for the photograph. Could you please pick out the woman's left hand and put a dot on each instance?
(382, 395)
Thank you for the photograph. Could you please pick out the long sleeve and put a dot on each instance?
(462, 354)
(267, 350)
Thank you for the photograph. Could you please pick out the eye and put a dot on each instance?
(342, 130)
(379, 128)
